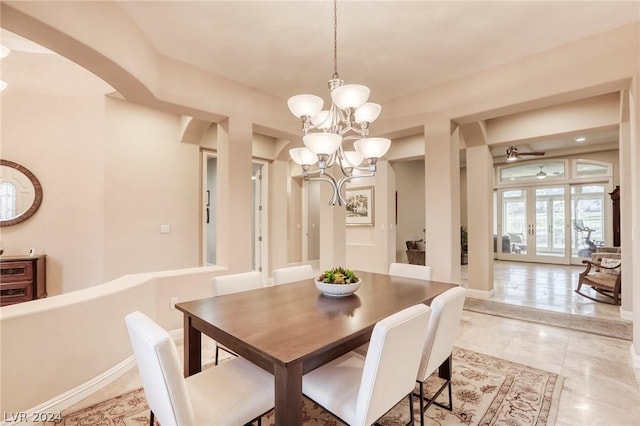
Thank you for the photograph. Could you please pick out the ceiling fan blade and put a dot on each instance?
(531, 153)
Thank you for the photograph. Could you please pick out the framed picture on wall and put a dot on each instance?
(360, 206)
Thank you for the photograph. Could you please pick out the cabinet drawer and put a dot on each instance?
(15, 292)
(16, 271)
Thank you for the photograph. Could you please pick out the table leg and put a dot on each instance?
(192, 348)
(288, 398)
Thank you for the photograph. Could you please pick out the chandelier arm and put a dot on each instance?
(332, 159)
(341, 183)
(313, 173)
(329, 179)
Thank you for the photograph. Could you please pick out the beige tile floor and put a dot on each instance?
(600, 385)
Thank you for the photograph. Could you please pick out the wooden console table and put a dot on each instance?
(22, 278)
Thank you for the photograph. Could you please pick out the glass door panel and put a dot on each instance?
(588, 219)
(550, 222)
(514, 223)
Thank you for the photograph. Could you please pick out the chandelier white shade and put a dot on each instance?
(305, 105)
(350, 95)
(372, 148)
(322, 143)
(368, 112)
(303, 156)
(324, 131)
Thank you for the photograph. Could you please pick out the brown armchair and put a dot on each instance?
(602, 275)
(416, 252)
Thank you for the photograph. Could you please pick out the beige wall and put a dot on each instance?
(112, 173)
(151, 179)
(371, 248)
(61, 139)
(411, 216)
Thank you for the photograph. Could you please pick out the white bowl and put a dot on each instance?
(337, 290)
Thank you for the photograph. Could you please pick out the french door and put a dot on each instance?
(532, 224)
(551, 224)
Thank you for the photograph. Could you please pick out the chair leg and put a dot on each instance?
(421, 387)
(152, 418)
(444, 372)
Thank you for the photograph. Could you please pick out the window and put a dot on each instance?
(587, 169)
(532, 172)
(7, 201)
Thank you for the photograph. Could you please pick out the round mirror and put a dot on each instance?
(20, 193)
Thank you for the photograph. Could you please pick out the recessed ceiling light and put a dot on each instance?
(3, 85)
(580, 139)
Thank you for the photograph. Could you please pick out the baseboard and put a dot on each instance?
(68, 399)
(480, 294)
(626, 315)
(58, 404)
(635, 358)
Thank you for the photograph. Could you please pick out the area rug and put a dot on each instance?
(605, 327)
(486, 391)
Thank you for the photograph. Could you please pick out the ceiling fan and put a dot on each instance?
(513, 154)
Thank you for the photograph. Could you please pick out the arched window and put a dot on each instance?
(591, 168)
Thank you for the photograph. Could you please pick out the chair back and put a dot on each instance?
(407, 270)
(227, 284)
(292, 274)
(160, 370)
(445, 318)
(390, 367)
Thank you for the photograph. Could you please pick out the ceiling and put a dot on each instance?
(394, 47)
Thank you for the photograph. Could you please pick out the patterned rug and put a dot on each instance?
(619, 329)
(486, 391)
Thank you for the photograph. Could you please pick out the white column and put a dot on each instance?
(634, 188)
(278, 235)
(234, 205)
(479, 219)
(442, 199)
(626, 223)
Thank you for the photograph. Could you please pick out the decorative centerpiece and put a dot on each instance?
(338, 282)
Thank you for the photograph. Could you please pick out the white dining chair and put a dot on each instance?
(404, 270)
(292, 273)
(408, 270)
(359, 390)
(445, 319)
(234, 283)
(233, 393)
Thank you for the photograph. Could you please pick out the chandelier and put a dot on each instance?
(324, 131)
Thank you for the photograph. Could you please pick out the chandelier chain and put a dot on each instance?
(335, 39)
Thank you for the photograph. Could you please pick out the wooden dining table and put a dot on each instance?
(291, 329)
